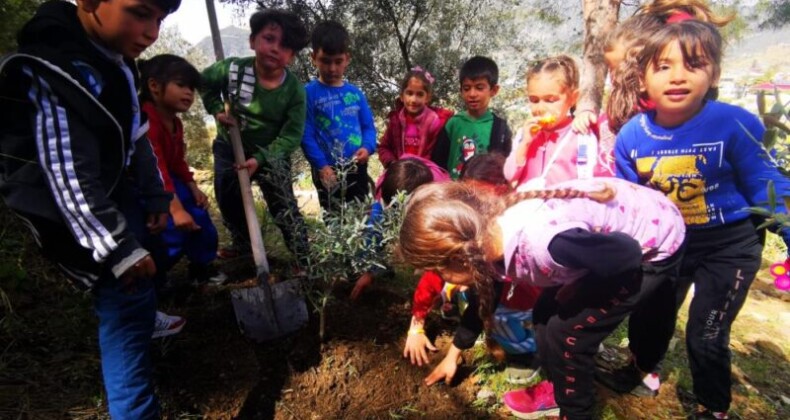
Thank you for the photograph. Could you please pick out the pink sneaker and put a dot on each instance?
(532, 403)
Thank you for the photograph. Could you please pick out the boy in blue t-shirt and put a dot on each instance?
(339, 126)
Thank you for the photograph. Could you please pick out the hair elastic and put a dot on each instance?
(428, 76)
(679, 16)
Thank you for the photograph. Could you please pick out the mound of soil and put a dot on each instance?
(358, 372)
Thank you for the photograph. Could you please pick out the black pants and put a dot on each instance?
(721, 262)
(569, 334)
(275, 183)
(651, 325)
(354, 187)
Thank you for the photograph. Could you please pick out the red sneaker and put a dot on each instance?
(532, 403)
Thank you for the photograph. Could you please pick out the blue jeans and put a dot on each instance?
(200, 246)
(126, 323)
(126, 317)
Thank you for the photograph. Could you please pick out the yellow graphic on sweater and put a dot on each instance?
(681, 180)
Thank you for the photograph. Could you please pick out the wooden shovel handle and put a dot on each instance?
(256, 239)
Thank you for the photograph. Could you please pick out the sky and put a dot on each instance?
(192, 20)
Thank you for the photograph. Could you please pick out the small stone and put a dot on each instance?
(771, 348)
(758, 317)
(485, 394)
(673, 343)
(785, 400)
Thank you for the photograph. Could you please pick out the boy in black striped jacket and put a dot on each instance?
(77, 168)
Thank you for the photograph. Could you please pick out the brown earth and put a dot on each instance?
(209, 370)
(358, 372)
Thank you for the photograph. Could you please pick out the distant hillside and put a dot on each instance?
(768, 49)
(235, 43)
(745, 60)
(759, 52)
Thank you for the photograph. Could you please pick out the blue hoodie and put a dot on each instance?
(712, 166)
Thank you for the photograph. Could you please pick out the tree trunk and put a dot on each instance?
(600, 18)
(322, 319)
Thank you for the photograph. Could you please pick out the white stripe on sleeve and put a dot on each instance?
(57, 163)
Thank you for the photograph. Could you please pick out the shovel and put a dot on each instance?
(264, 311)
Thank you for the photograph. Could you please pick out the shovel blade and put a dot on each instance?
(263, 318)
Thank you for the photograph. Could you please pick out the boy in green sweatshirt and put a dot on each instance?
(477, 130)
(269, 105)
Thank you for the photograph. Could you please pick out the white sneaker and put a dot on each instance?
(206, 274)
(166, 325)
(218, 279)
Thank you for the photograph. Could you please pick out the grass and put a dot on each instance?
(407, 411)
(48, 360)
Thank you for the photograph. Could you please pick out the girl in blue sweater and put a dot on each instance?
(707, 157)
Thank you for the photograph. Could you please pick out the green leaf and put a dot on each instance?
(772, 196)
(766, 224)
(758, 211)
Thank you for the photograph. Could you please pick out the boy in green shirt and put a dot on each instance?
(477, 130)
(269, 103)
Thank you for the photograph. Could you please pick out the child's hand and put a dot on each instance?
(156, 223)
(184, 221)
(362, 155)
(251, 165)
(526, 140)
(583, 121)
(328, 177)
(225, 118)
(365, 280)
(530, 128)
(142, 269)
(446, 369)
(200, 198)
(417, 347)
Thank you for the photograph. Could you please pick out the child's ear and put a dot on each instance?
(153, 86)
(494, 90)
(573, 96)
(88, 6)
(714, 82)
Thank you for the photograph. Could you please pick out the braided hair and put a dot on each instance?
(448, 226)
